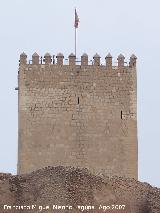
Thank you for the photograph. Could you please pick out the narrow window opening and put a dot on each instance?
(121, 115)
(78, 100)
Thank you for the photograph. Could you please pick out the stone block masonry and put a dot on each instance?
(77, 115)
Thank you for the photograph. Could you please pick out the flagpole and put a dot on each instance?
(76, 21)
(75, 34)
(75, 42)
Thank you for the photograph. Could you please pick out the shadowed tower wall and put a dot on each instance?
(78, 115)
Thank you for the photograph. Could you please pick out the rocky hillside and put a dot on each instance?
(65, 189)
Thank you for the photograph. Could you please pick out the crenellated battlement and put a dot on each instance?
(59, 60)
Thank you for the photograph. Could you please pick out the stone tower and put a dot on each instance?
(78, 115)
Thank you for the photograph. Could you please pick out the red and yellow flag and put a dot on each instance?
(76, 20)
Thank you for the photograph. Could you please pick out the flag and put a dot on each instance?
(76, 19)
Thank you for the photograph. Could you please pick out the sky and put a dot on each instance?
(105, 26)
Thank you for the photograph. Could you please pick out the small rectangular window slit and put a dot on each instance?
(121, 115)
(78, 100)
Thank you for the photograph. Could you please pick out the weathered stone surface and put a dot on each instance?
(78, 115)
(66, 186)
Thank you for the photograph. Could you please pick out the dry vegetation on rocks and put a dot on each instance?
(73, 187)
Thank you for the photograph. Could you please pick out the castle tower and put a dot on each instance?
(78, 115)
